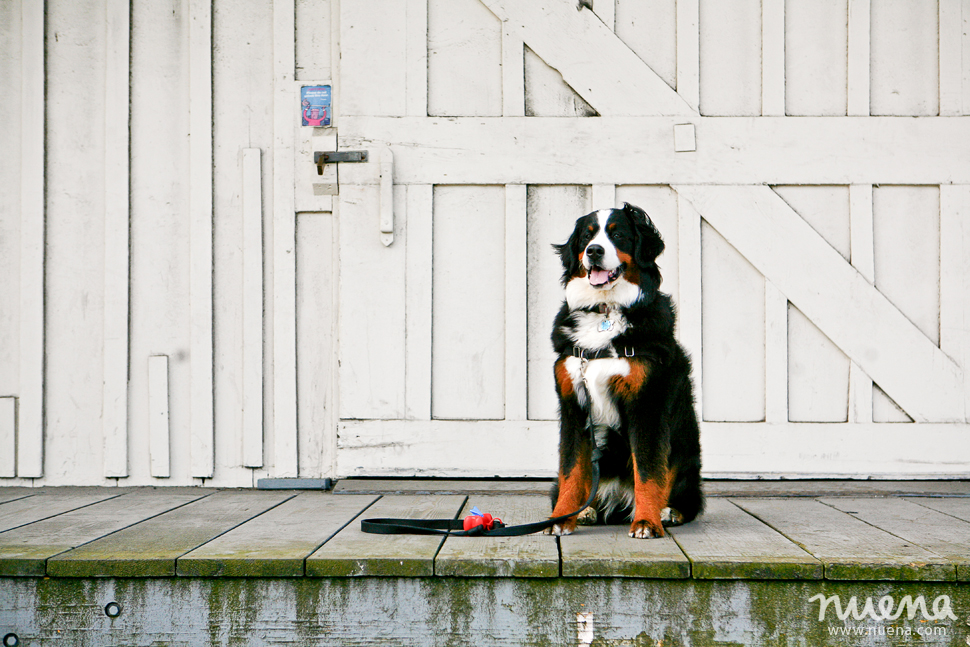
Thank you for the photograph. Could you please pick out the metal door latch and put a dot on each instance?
(331, 157)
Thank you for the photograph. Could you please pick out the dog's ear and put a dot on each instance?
(650, 244)
(569, 255)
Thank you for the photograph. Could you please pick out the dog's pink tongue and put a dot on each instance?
(599, 277)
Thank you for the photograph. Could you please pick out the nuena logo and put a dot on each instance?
(885, 609)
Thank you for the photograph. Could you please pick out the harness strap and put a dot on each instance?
(614, 351)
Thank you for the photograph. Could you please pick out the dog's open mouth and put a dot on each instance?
(599, 277)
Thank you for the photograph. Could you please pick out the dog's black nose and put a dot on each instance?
(595, 252)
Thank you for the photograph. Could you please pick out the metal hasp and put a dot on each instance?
(330, 157)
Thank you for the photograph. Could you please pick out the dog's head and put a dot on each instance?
(612, 250)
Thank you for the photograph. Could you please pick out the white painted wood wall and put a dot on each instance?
(180, 308)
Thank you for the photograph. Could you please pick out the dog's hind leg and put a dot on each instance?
(686, 496)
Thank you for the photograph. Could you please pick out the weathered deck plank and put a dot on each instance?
(942, 534)
(50, 504)
(354, 553)
(528, 556)
(849, 548)
(728, 543)
(276, 543)
(959, 508)
(13, 494)
(25, 550)
(151, 548)
(608, 551)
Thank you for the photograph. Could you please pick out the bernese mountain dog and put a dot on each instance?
(620, 370)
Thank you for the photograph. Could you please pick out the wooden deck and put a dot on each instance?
(67, 551)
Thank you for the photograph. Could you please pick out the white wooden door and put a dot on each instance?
(805, 162)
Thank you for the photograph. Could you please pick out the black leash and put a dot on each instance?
(456, 527)
(495, 527)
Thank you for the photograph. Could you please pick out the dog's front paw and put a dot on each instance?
(645, 530)
(566, 527)
(671, 517)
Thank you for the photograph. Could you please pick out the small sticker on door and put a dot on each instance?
(315, 104)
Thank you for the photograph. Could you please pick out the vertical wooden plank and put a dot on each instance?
(951, 56)
(372, 321)
(730, 57)
(316, 49)
(513, 73)
(159, 431)
(815, 57)
(417, 58)
(776, 354)
(905, 59)
(965, 61)
(160, 230)
(464, 43)
(10, 68)
(604, 196)
(284, 244)
(688, 51)
(733, 315)
(252, 325)
(116, 241)
(862, 257)
(418, 278)
(689, 329)
(773, 58)
(8, 437)
(468, 341)
(955, 278)
(858, 58)
(316, 318)
(30, 441)
(369, 32)
(516, 302)
(200, 237)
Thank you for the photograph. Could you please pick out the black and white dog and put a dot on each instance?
(618, 363)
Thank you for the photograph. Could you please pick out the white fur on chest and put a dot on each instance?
(595, 330)
(580, 294)
(596, 389)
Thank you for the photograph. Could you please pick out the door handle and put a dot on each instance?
(387, 196)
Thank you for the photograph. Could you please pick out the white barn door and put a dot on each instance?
(806, 165)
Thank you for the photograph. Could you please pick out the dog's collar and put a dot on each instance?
(614, 351)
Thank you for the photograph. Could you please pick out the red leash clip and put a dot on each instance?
(476, 518)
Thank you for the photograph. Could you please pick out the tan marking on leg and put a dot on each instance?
(564, 379)
(651, 498)
(574, 489)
